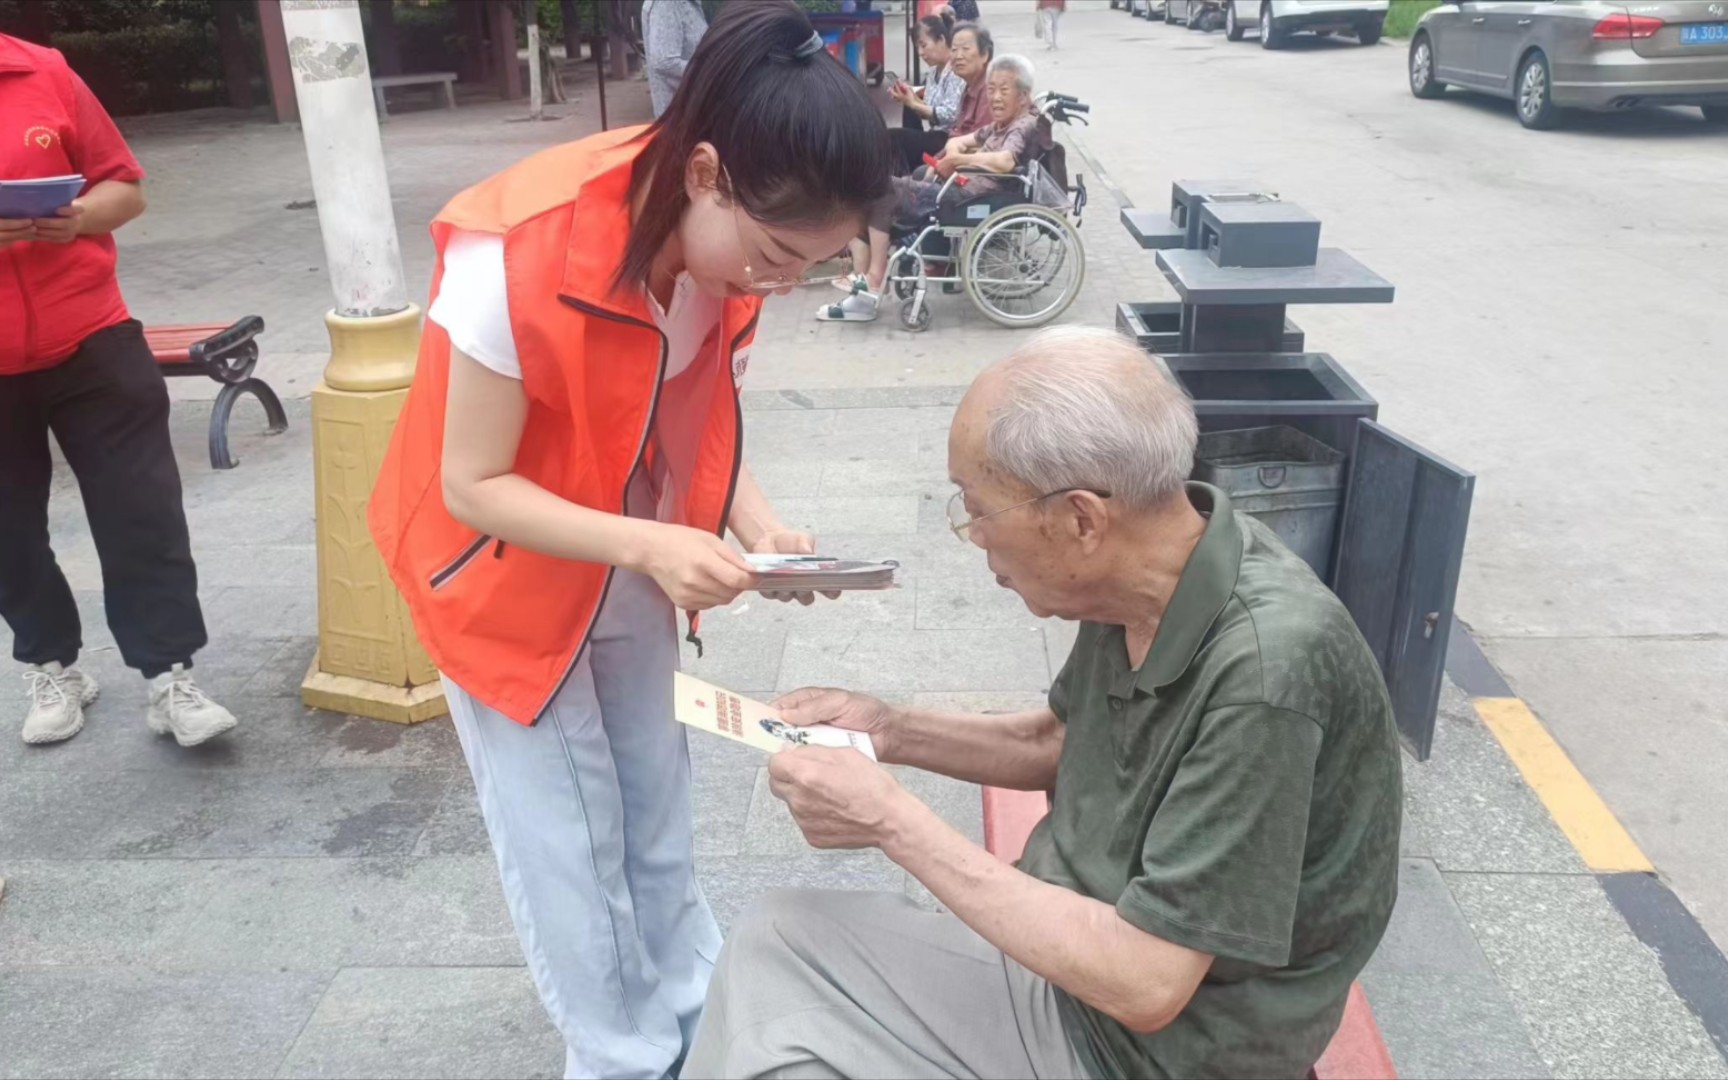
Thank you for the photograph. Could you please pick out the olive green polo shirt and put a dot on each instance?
(1238, 794)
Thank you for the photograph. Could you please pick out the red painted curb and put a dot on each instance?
(1356, 1052)
(1008, 820)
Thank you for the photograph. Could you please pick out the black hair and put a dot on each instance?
(940, 27)
(986, 43)
(799, 139)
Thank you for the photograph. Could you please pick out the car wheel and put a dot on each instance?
(1422, 81)
(1715, 114)
(1270, 36)
(1534, 98)
(1233, 28)
(1369, 33)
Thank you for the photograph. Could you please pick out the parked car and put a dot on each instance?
(1145, 8)
(1278, 19)
(1549, 56)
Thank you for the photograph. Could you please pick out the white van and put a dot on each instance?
(1278, 19)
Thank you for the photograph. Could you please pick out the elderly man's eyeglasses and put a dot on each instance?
(959, 522)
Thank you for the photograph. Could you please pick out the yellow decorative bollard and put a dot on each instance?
(368, 661)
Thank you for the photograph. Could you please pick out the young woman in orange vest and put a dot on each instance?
(562, 473)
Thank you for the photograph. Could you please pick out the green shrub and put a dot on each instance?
(426, 38)
(148, 68)
(1401, 19)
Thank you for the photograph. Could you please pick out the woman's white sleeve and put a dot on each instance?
(472, 304)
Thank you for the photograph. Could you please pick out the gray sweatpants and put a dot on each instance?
(855, 984)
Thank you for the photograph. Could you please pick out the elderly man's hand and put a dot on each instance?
(841, 709)
(948, 163)
(839, 798)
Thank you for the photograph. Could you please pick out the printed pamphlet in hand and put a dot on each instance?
(819, 573)
(39, 198)
(721, 712)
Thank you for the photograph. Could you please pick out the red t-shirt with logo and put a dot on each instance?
(53, 296)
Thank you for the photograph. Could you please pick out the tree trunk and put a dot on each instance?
(236, 71)
(278, 73)
(572, 30)
(551, 76)
(536, 102)
(507, 70)
(388, 58)
(617, 40)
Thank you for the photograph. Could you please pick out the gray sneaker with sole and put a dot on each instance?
(179, 708)
(57, 699)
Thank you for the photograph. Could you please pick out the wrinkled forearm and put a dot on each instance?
(1015, 750)
(1079, 944)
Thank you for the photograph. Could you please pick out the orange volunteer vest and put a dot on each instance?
(509, 625)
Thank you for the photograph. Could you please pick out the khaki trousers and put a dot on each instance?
(855, 984)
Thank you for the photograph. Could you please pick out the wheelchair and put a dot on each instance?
(1015, 250)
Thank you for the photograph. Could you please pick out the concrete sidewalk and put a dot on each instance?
(314, 896)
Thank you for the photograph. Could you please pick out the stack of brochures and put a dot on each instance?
(38, 198)
(819, 573)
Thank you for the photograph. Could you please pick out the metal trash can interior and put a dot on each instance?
(1292, 483)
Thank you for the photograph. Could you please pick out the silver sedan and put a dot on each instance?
(1548, 56)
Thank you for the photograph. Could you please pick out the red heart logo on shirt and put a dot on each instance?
(44, 140)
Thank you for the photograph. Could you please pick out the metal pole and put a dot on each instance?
(333, 86)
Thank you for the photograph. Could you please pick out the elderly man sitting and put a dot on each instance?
(1220, 858)
(1001, 146)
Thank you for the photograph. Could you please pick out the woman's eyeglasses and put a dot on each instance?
(757, 280)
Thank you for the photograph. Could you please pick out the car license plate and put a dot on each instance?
(1704, 34)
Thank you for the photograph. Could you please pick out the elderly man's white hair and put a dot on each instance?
(1083, 407)
(1017, 66)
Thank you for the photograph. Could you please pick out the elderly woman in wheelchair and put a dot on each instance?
(987, 215)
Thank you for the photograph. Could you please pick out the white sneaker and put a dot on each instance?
(57, 699)
(178, 707)
(859, 307)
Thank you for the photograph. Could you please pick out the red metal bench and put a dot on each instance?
(227, 354)
(1356, 1052)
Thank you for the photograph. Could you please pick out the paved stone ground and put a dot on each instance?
(314, 896)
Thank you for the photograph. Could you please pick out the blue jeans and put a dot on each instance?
(589, 815)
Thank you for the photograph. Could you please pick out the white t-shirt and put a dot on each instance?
(472, 306)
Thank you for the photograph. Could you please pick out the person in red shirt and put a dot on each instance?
(74, 362)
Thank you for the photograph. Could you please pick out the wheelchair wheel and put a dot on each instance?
(903, 272)
(914, 316)
(1023, 265)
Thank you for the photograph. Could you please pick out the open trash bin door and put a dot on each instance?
(1400, 546)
